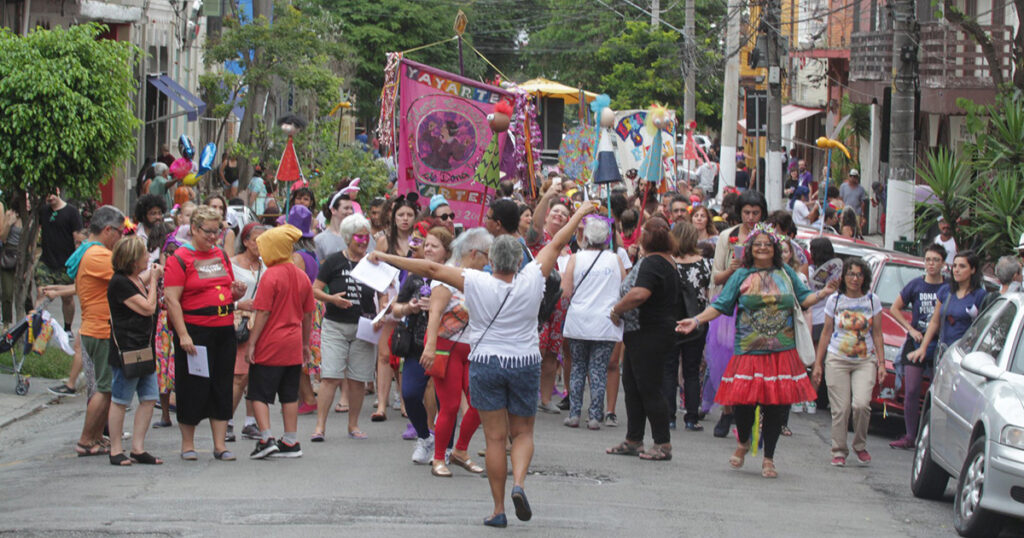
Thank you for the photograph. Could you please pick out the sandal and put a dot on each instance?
(356, 434)
(768, 469)
(662, 452)
(317, 437)
(226, 455)
(625, 448)
(120, 460)
(95, 449)
(162, 424)
(340, 408)
(786, 431)
(736, 460)
(145, 458)
(466, 464)
(378, 417)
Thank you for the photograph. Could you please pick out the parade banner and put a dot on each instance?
(443, 133)
(632, 141)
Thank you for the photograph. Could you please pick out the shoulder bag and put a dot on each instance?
(804, 340)
(245, 320)
(135, 362)
(402, 339)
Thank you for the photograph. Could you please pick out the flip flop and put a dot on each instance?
(85, 451)
(340, 408)
(317, 437)
(146, 458)
(189, 455)
(378, 417)
(162, 424)
(357, 435)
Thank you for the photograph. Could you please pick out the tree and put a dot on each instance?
(989, 46)
(66, 97)
(644, 67)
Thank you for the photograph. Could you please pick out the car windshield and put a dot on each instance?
(893, 278)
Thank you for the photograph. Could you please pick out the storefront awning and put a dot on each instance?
(192, 105)
(790, 114)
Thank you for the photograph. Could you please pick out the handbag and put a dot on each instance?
(135, 362)
(439, 367)
(804, 341)
(246, 322)
(401, 340)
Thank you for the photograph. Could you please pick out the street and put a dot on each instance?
(372, 488)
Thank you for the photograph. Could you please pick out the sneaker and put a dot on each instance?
(264, 449)
(285, 450)
(694, 427)
(410, 432)
(564, 404)
(550, 408)
(424, 451)
(839, 461)
(797, 408)
(863, 457)
(904, 442)
(396, 402)
(252, 431)
(611, 421)
(593, 424)
(61, 390)
(230, 435)
(306, 409)
(572, 422)
(810, 407)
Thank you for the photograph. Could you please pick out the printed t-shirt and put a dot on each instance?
(91, 282)
(334, 272)
(851, 329)
(957, 314)
(920, 296)
(457, 303)
(206, 281)
(284, 292)
(132, 330)
(764, 299)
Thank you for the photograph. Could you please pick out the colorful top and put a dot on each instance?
(851, 318)
(764, 299)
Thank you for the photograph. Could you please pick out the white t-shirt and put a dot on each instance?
(800, 213)
(457, 298)
(851, 329)
(595, 295)
(950, 247)
(513, 336)
(627, 264)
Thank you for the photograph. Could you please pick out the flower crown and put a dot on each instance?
(766, 229)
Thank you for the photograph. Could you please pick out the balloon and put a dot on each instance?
(180, 168)
(190, 179)
(185, 147)
(206, 158)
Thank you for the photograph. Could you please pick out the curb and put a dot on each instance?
(37, 408)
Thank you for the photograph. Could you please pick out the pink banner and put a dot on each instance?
(442, 135)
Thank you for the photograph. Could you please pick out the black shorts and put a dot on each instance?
(267, 381)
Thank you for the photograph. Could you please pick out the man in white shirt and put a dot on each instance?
(946, 239)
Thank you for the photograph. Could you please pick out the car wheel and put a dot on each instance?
(927, 479)
(969, 518)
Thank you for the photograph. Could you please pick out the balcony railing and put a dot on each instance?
(870, 56)
(952, 59)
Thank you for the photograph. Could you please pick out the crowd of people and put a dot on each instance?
(682, 304)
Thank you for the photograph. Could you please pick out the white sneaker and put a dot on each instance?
(424, 451)
(811, 407)
(797, 408)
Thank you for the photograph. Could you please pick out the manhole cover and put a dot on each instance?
(563, 475)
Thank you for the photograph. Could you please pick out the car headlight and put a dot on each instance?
(892, 353)
(1012, 436)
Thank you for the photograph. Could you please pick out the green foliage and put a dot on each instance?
(998, 133)
(995, 222)
(645, 67)
(52, 364)
(857, 127)
(951, 181)
(66, 103)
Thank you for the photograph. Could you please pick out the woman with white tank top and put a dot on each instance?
(591, 280)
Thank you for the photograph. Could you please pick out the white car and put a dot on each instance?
(972, 423)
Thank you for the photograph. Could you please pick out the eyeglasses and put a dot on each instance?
(210, 232)
(120, 231)
(446, 216)
(855, 275)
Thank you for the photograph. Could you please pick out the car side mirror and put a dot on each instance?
(981, 363)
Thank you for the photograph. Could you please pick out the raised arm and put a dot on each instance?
(549, 254)
(434, 271)
(540, 214)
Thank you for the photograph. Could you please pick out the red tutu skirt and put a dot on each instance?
(773, 379)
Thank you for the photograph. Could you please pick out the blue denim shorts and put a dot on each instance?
(124, 389)
(493, 387)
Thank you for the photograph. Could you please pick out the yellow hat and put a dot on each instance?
(276, 244)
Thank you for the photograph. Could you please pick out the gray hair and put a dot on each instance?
(160, 169)
(107, 215)
(474, 239)
(352, 224)
(595, 233)
(1006, 268)
(506, 254)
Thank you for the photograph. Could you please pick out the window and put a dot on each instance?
(892, 279)
(975, 331)
(994, 339)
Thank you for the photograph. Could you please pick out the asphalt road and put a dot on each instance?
(370, 487)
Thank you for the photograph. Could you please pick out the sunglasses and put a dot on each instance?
(446, 216)
(361, 238)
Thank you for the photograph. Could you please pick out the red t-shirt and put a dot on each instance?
(286, 293)
(206, 279)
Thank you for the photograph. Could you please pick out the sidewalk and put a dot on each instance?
(14, 407)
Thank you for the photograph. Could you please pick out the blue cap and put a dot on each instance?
(437, 201)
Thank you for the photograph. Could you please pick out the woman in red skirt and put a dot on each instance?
(765, 369)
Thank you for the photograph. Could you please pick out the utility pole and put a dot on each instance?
(690, 80)
(899, 212)
(773, 156)
(727, 155)
(655, 14)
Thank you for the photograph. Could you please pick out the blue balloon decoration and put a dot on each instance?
(206, 158)
(185, 147)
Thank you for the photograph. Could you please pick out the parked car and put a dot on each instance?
(972, 423)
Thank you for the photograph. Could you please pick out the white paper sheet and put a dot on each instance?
(365, 331)
(378, 276)
(198, 365)
(383, 311)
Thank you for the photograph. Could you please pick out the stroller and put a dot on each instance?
(9, 341)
